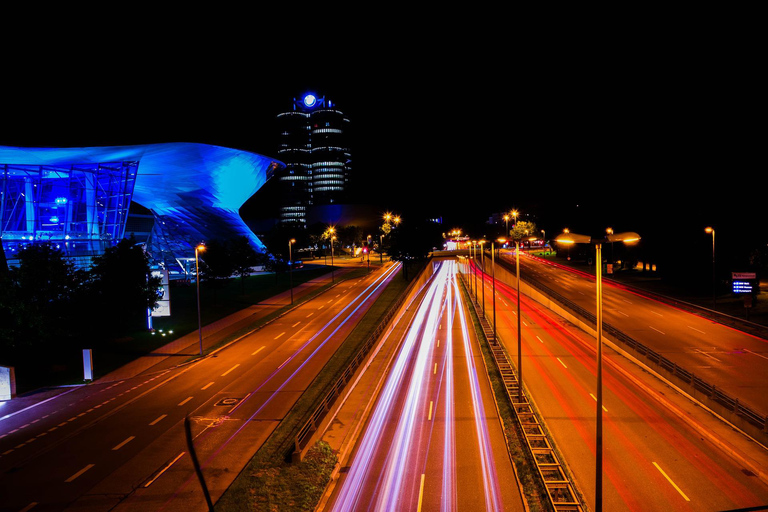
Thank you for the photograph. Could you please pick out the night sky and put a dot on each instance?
(653, 131)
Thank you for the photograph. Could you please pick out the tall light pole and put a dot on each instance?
(493, 282)
(519, 321)
(714, 291)
(569, 239)
(290, 265)
(200, 248)
(493, 289)
(482, 277)
(474, 265)
(330, 232)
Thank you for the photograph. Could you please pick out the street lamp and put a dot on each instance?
(714, 292)
(570, 239)
(482, 277)
(330, 232)
(290, 265)
(200, 248)
(519, 322)
(493, 283)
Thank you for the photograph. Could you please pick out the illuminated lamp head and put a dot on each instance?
(310, 100)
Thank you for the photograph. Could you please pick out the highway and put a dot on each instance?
(660, 452)
(433, 440)
(121, 445)
(720, 355)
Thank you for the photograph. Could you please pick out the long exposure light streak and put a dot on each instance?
(395, 485)
(490, 483)
(448, 501)
(355, 304)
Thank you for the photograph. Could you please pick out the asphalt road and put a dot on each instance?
(732, 360)
(433, 440)
(661, 452)
(121, 445)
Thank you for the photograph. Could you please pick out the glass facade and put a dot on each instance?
(170, 196)
(82, 208)
(314, 146)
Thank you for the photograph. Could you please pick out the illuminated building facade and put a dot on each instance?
(314, 145)
(86, 199)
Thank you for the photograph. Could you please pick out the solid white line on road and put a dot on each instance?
(164, 469)
(124, 443)
(206, 386)
(185, 401)
(86, 468)
(279, 335)
(562, 363)
(226, 372)
(257, 351)
(671, 482)
(158, 420)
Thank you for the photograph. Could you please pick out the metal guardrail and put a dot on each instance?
(560, 491)
(324, 406)
(726, 402)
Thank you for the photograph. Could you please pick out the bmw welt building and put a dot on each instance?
(86, 199)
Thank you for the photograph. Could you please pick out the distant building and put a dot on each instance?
(313, 144)
(170, 196)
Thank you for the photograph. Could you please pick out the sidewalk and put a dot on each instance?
(177, 351)
(181, 349)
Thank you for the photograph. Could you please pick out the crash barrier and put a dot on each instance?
(552, 474)
(717, 399)
(304, 435)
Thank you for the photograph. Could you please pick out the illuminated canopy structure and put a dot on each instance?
(79, 198)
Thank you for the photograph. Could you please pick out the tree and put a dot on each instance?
(523, 229)
(216, 263)
(122, 288)
(243, 256)
(40, 299)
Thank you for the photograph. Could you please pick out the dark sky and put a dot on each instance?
(651, 129)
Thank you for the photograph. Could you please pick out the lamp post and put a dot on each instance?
(714, 291)
(493, 282)
(290, 265)
(519, 321)
(569, 239)
(474, 265)
(482, 278)
(198, 249)
(332, 267)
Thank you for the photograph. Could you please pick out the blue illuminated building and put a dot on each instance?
(313, 143)
(81, 199)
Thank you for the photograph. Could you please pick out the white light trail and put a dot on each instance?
(404, 397)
